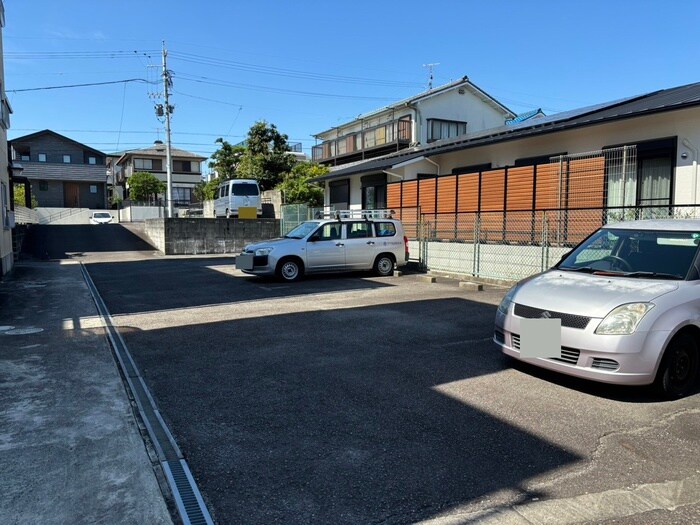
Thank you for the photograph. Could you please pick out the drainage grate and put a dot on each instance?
(189, 501)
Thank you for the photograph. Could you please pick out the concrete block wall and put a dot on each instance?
(209, 236)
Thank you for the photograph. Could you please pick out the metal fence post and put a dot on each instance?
(475, 255)
(545, 242)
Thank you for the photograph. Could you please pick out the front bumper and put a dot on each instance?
(617, 359)
(256, 264)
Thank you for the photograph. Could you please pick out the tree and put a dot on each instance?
(225, 160)
(206, 191)
(266, 158)
(18, 191)
(144, 185)
(296, 186)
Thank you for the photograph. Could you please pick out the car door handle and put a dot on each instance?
(339, 244)
(370, 242)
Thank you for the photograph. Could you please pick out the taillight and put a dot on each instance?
(405, 243)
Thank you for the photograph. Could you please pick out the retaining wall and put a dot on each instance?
(208, 236)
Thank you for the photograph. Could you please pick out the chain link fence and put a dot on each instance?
(512, 245)
(291, 215)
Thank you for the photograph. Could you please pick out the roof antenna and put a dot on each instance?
(430, 71)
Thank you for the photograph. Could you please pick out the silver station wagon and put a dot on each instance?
(351, 240)
(627, 300)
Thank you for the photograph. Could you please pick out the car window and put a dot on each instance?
(329, 232)
(302, 230)
(635, 252)
(385, 229)
(600, 246)
(358, 230)
(245, 189)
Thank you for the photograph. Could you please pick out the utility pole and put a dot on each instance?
(167, 84)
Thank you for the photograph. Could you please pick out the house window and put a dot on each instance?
(445, 129)
(92, 160)
(182, 166)
(93, 188)
(42, 157)
(24, 156)
(66, 159)
(143, 164)
(643, 179)
(340, 194)
(183, 195)
(373, 192)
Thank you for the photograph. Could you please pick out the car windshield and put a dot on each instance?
(101, 215)
(635, 253)
(302, 230)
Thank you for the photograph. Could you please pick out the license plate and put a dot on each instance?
(244, 261)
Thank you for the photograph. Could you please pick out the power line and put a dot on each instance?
(224, 83)
(269, 70)
(78, 85)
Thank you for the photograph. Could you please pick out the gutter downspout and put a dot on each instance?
(434, 164)
(692, 148)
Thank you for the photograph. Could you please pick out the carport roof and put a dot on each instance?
(655, 102)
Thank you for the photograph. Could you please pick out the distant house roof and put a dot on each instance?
(32, 136)
(462, 82)
(522, 117)
(158, 150)
(655, 102)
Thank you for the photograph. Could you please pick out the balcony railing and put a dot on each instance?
(397, 132)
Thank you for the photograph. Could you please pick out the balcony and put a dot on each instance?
(365, 144)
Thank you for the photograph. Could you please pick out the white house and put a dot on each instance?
(446, 112)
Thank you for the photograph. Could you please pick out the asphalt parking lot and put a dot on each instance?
(354, 399)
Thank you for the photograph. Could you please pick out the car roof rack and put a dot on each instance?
(355, 214)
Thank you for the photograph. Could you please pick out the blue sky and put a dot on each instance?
(307, 66)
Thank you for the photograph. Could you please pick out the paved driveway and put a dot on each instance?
(360, 400)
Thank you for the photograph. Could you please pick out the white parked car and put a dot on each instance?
(101, 217)
(233, 194)
(628, 300)
(353, 240)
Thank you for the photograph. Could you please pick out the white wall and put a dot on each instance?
(466, 107)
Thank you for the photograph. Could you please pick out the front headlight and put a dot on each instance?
(262, 251)
(507, 299)
(624, 319)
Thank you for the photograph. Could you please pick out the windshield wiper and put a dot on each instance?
(584, 269)
(655, 275)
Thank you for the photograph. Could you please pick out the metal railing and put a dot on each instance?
(394, 132)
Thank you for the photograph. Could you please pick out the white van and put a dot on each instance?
(235, 193)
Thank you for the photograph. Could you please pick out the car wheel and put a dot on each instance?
(384, 266)
(290, 270)
(678, 371)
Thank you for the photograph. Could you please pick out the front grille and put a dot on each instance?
(569, 320)
(568, 355)
(516, 341)
(605, 364)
